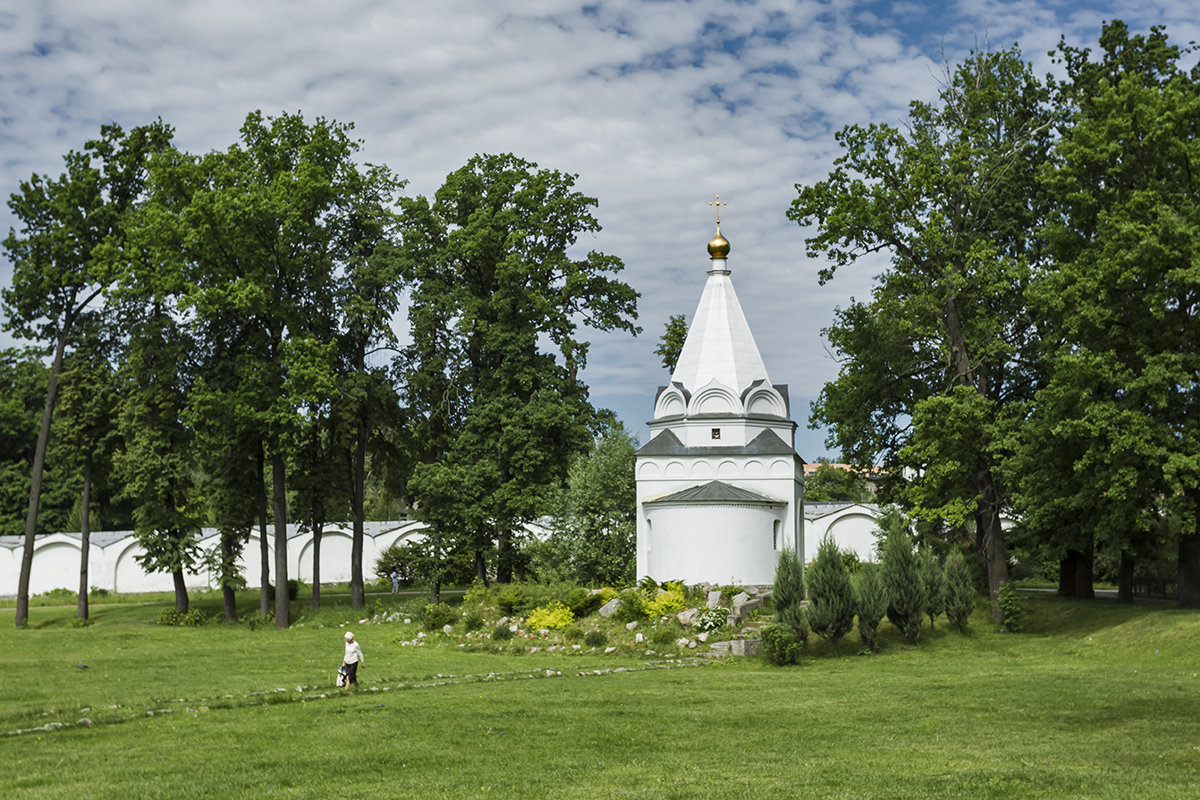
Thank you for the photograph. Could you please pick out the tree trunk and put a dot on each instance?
(318, 529)
(1085, 570)
(278, 478)
(504, 557)
(480, 566)
(993, 537)
(1067, 572)
(85, 537)
(435, 583)
(181, 595)
(228, 595)
(1125, 578)
(1189, 571)
(264, 597)
(35, 483)
(358, 596)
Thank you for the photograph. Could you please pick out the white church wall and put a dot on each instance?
(712, 543)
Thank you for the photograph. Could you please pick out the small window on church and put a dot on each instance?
(716, 433)
(775, 538)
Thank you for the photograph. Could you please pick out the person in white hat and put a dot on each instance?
(352, 659)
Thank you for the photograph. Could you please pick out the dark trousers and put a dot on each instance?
(352, 673)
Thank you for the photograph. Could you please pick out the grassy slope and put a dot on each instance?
(1097, 701)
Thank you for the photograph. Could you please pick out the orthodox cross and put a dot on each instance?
(718, 204)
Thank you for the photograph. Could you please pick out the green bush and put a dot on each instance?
(960, 590)
(788, 591)
(1012, 608)
(435, 616)
(831, 594)
(583, 602)
(934, 581)
(97, 591)
(473, 621)
(633, 607)
(501, 633)
(511, 599)
(59, 594)
(664, 636)
(191, 618)
(571, 633)
(595, 638)
(902, 579)
(780, 644)
(870, 604)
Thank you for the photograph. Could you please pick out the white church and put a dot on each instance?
(720, 488)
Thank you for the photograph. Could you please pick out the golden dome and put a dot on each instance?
(718, 246)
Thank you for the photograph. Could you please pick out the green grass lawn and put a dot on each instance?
(1096, 701)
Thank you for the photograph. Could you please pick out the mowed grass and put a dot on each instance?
(1096, 701)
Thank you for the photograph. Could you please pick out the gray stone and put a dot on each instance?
(630, 625)
(744, 647)
(739, 598)
(715, 599)
(610, 608)
(687, 617)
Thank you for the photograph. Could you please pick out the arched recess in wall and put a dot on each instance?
(755, 469)
(648, 469)
(715, 399)
(702, 470)
(670, 404)
(728, 469)
(335, 558)
(675, 469)
(57, 564)
(780, 468)
(765, 402)
(855, 531)
(127, 573)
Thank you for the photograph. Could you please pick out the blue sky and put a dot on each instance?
(657, 106)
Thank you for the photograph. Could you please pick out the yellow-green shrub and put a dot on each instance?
(667, 602)
(552, 616)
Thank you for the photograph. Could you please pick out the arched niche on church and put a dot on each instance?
(781, 469)
(765, 401)
(648, 469)
(755, 469)
(675, 469)
(702, 470)
(671, 403)
(715, 399)
(728, 469)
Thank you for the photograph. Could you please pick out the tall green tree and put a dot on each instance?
(86, 430)
(64, 256)
(492, 373)
(257, 235)
(595, 514)
(831, 483)
(936, 365)
(1124, 297)
(157, 462)
(675, 332)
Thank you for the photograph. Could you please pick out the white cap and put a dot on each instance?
(349, 636)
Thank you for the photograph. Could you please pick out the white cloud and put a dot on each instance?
(657, 107)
